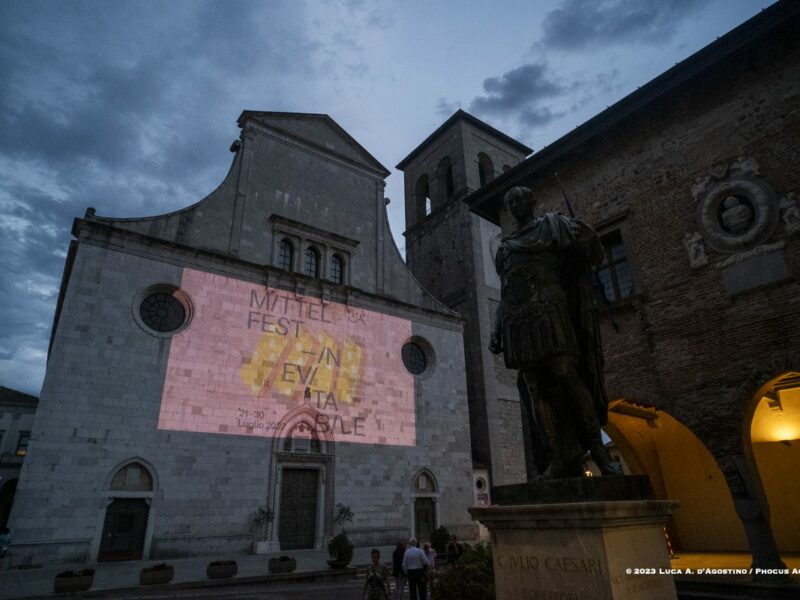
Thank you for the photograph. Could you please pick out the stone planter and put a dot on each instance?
(154, 576)
(284, 564)
(73, 581)
(336, 563)
(222, 569)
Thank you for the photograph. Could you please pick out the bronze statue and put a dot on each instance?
(546, 327)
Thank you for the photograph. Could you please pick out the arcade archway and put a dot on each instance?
(772, 440)
(680, 467)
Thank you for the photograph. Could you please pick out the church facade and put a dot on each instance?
(232, 374)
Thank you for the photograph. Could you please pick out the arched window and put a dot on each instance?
(302, 439)
(286, 255)
(133, 477)
(337, 269)
(311, 267)
(445, 174)
(485, 168)
(422, 196)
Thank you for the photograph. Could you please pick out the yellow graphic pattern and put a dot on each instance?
(288, 364)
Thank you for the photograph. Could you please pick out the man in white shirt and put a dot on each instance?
(414, 564)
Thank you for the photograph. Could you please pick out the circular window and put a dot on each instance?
(414, 358)
(162, 312)
(480, 484)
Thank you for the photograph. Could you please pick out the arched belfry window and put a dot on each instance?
(133, 477)
(337, 269)
(422, 196)
(311, 267)
(286, 255)
(445, 174)
(485, 168)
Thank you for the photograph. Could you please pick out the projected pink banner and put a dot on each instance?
(253, 355)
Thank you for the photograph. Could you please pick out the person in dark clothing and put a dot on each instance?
(397, 570)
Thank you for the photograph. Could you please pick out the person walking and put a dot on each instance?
(376, 584)
(430, 554)
(415, 564)
(397, 570)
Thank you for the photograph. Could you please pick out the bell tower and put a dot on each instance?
(448, 249)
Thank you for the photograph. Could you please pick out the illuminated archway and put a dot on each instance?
(680, 467)
(772, 444)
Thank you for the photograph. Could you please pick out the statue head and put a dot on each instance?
(519, 201)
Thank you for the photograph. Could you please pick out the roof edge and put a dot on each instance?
(462, 114)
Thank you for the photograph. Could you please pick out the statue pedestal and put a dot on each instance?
(580, 550)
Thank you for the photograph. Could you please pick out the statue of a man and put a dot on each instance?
(547, 329)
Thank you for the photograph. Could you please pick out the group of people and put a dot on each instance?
(411, 564)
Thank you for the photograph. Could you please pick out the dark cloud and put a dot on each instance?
(521, 93)
(515, 90)
(128, 107)
(579, 24)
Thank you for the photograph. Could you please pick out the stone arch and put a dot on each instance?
(425, 494)
(680, 466)
(485, 168)
(127, 512)
(770, 468)
(284, 459)
(422, 197)
(444, 176)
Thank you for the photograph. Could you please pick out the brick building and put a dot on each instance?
(264, 352)
(692, 183)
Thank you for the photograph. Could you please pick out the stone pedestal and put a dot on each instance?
(580, 550)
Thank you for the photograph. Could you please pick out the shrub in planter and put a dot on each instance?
(161, 573)
(471, 578)
(221, 569)
(282, 564)
(341, 551)
(73, 581)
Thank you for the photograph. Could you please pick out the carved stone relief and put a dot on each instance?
(736, 209)
(697, 251)
(790, 214)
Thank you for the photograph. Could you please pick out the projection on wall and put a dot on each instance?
(254, 356)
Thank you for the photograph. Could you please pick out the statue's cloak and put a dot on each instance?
(582, 250)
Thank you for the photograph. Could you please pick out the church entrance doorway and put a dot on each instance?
(298, 508)
(424, 518)
(124, 530)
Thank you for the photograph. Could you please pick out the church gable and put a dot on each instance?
(320, 130)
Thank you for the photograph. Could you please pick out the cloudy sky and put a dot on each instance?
(130, 107)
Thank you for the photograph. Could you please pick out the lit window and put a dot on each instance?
(285, 255)
(312, 262)
(614, 275)
(22, 443)
(337, 269)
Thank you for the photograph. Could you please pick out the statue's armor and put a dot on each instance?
(534, 307)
